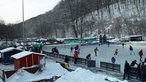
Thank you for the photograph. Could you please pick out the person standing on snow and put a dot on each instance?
(143, 72)
(126, 70)
(75, 55)
(138, 73)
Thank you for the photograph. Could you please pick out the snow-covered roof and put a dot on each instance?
(135, 35)
(21, 54)
(7, 49)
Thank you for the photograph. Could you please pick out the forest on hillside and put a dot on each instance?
(84, 18)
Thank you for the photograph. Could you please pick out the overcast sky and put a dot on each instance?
(11, 10)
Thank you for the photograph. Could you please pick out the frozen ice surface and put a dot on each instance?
(105, 53)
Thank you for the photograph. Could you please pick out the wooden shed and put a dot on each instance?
(27, 59)
(7, 53)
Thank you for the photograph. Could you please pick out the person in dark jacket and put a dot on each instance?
(116, 52)
(126, 70)
(88, 57)
(95, 51)
(133, 63)
(71, 49)
(145, 59)
(138, 76)
(123, 45)
(131, 50)
(66, 59)
(143, 72)
(113, 60)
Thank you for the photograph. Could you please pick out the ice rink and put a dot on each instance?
(105, 53)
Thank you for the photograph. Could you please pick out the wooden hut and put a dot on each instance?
(7, 53)
(27, 59)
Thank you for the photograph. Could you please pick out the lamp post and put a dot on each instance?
(23, 24)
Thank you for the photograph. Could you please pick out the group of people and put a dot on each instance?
(141, 69)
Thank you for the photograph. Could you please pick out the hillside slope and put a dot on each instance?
(82, 18)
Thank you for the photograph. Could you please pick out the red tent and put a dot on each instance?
(27, 59)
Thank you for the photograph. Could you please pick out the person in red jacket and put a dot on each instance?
(140, 54)
(75, 57)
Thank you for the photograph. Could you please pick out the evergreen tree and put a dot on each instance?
(100, 39)
(104, 38)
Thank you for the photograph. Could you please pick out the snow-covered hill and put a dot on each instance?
(118, 19)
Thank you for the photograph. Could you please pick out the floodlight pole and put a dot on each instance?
(23, 24)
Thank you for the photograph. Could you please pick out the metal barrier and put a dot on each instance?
(110, 66)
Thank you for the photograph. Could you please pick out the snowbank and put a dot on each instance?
(51, 69)
(82, 75)
(55, 69)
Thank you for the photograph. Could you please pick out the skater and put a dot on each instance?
(131, 50)
(108, 44)
(140, 54)
(77, 49)
(95, 51)
(71, 50)
(99, 44)
(113, 60)
(88, 57)
(126, 70)
(123, 45)
(116, 52)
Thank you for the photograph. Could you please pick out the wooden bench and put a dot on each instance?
(110, 66)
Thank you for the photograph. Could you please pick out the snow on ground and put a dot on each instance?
(55, 69)
(105, 53)
(82, 75)
(51, 69)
